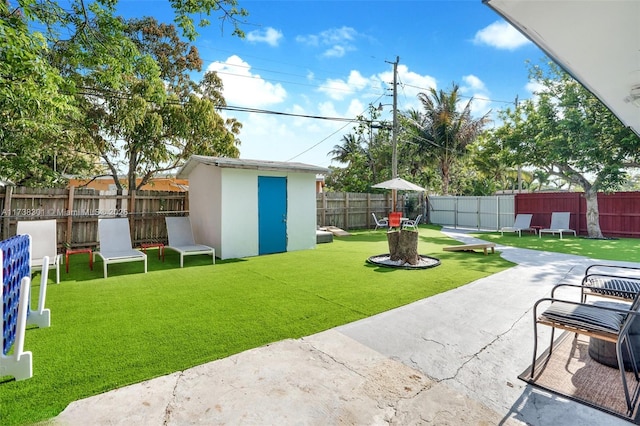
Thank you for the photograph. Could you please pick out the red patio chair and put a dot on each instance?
(394, 219)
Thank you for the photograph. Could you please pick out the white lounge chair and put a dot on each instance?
(522, 223)
(181, 239)
(115, 243)
(559, 224)
(44, 242)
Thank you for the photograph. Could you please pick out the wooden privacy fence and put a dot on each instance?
(351, 210)
(619, 211)
(77, 212)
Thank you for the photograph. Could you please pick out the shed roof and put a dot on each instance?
(240, 163)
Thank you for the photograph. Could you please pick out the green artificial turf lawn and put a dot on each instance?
(623, 249)
(130, 327)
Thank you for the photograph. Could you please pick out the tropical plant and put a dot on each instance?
(443, 129)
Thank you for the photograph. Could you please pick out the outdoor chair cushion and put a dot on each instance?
(585, 316)
(612, 286)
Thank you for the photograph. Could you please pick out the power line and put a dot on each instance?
(288, 114)
(332, 134)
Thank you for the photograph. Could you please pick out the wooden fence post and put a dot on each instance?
(325, 203)
(346, 210)
(368, 211)
(7, 211)
(67, 238)
(131, 210)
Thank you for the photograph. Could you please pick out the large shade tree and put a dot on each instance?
(155, 116)
(443, 128)
(569, 134)
(129, 82)
(34, 108)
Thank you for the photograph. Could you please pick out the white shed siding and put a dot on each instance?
(301, 211)
(240, 204)
(205, 208)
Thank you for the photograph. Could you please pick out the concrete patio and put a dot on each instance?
(450, 359)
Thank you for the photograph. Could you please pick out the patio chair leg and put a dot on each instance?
(535, 347)
(633, 360)
(624, 377)
(553, 331)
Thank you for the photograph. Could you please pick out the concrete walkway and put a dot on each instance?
(451, 359)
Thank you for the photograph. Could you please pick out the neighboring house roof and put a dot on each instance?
(105, 183)
(240, 163)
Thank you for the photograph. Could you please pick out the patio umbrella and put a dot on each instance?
(397, 184)
(597, 42)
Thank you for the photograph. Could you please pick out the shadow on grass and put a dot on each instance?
(79, 266)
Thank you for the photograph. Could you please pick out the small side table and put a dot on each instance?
(536, 229)
(145, 246)
(70, 252)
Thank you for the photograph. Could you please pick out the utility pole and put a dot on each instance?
(394, 132)
(519, 166)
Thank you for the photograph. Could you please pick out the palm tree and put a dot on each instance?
(442, 131)
(348, 151)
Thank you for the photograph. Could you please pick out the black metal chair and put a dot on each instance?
(609, 322)
(611, 281)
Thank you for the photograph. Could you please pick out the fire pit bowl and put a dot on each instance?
(385, 261)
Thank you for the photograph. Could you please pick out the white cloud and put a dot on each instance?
(473, 83)
(338, 41)
(242, 88)
(534, 86)
(475, 88)
(355, 108)
(410, 84)
(338, 89)
(336, 51)
(501, 35)
(269, 35)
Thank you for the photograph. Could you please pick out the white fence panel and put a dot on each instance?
(467, 212)
(491, 212)
(442, 210)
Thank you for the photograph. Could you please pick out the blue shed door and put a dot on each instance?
(272, 214)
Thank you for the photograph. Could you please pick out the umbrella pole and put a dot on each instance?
(394, 198)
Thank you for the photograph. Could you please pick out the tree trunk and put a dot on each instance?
(403, 245)
(444, 169)
(593, 214)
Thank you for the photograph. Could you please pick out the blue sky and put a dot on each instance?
(334, 58)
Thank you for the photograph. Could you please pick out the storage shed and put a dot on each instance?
(250, 207)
